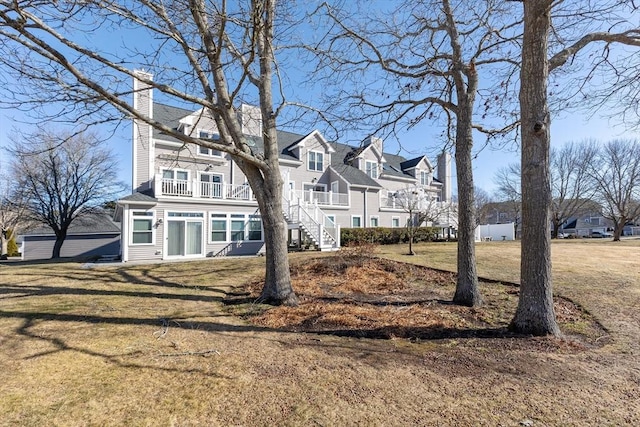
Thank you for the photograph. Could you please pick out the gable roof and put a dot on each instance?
(394, 166)
(169, 116)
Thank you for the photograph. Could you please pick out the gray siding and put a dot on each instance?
(81, 246)
(143, 102)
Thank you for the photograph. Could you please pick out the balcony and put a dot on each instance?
(325, 198)
(204, 190)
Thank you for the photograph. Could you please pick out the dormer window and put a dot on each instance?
(371, 169)
(316, 161)
(424, 178)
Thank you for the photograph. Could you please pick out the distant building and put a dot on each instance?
(90, 235)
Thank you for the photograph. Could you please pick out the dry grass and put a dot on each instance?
(154, 345)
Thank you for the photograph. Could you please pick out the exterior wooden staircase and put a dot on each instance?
(312, 222)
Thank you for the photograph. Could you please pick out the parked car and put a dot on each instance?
(600, 234)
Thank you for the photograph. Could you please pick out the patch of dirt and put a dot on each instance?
(363, 296)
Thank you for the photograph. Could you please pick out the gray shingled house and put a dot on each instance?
(91, 235)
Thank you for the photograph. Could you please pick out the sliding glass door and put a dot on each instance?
(184, 234)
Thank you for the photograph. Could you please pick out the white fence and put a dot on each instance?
(488, 232)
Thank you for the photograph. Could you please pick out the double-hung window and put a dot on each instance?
(255, 228)
(235, 227)
(424, 178)
(316, 161)
(218, 227)
(371, 168)
(142, 228)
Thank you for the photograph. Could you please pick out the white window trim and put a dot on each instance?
(210, 150)
(228, 218)
(165, 249)
(395, 218)
(356, 216)
(374, 166)
(425, 175)
(154, 226)
(315, 163)
(200, 173)
(377, 218)
(174, 170)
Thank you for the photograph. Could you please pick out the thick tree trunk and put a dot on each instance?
(535, 313)
(618, 226)
(277, 283)
(467, 292)
(57, 246)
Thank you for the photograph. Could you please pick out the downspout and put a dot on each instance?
(364, 219)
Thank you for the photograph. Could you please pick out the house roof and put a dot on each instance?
(88, 223)
(138, 198)
(412, 163)
(169, 116)
(340, 162)
(394, 166)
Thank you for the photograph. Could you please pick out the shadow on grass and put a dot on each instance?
(423, 333)
(22, 291)
(31, 319)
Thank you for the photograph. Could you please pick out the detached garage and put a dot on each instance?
(90, 235)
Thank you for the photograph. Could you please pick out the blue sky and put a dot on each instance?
(420, 140)
(574, 127)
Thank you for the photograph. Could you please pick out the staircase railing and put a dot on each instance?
(312, 218)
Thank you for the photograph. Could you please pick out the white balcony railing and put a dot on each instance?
(206, 190)
(325, 198)
(176, 187)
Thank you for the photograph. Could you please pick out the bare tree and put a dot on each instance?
(425, 64)
(571, 186)
(63, 177)
(509, 193)
(423, 208)
(410, 200)
(482, 199)
(208, 54)
(572, 34)
(617, 177)
(507, 180)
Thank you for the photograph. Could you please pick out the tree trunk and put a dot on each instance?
(556, 228)
(57, 246)
(618, 227)
(467, 292)
(4, 242)
(277, 283)
(535, 313)
(411, 240)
